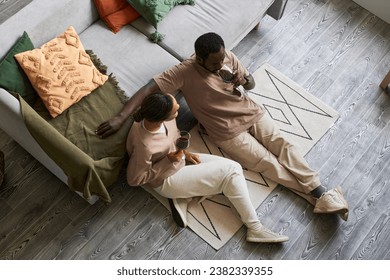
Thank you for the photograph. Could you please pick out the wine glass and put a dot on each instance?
(226, 73)
(183, 142)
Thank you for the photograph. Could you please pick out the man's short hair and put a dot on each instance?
(208, 43)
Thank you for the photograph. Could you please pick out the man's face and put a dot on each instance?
(214, 61)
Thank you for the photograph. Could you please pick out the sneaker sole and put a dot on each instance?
(343, 213)
(335, 211)
(267, 240)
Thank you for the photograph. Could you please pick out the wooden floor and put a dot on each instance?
(335, 49)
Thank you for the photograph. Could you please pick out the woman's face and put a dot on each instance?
(175, 109)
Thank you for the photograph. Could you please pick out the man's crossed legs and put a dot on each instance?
(264, 149)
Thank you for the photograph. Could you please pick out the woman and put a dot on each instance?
(155, 160)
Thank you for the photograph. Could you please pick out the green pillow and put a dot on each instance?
(155, 10)
(12, 76)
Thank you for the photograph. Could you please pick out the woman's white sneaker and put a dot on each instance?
(264, 235)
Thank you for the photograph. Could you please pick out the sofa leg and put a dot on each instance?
(257, 27)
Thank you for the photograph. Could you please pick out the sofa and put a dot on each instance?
(128, 54)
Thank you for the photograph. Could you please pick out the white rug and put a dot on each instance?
(302, 118)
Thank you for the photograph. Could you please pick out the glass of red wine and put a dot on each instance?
(183, 142)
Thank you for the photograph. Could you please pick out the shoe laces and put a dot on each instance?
(268, 230)
(332, 197)
(327, 196)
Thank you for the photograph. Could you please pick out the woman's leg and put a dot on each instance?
(216, 175)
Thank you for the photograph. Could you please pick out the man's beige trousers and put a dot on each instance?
(264, 149)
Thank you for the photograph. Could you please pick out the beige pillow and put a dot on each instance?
(61, 71)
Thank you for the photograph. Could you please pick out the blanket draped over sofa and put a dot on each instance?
(92, 164)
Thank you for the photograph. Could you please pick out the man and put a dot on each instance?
(234, 122)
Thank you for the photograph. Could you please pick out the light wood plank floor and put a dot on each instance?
(334, 48)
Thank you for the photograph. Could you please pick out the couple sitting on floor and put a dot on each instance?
(233, 121)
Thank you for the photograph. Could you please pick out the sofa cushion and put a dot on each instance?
(125, 55)
(116, 13)
(219, 16)
(45, 19)
(61, 71)
(153, 11)
(12, 76)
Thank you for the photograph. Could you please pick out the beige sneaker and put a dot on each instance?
(264, 235)
(334, 202)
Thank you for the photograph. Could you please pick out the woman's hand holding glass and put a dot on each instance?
(176, 156)
(191, 157)
(179, 155)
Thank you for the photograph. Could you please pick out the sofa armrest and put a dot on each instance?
(276, 10)
(12, 123)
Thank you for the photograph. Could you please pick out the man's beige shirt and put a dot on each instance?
(218, 106)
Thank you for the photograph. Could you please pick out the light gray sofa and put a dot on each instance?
(128, 54)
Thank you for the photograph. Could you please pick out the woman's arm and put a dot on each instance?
(141, 170)
(114, 124)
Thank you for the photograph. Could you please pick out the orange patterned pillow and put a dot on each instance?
(61, 71)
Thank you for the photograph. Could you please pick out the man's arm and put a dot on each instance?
(250, 82)
(113, 125)
(241, 75)
(246, 81)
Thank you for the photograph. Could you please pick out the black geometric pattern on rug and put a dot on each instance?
(214, 230)
(281, 114)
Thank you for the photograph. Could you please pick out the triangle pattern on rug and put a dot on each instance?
(205, 213)
(282, 103)
(292, 97)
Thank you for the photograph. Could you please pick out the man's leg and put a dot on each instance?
(269, 135)
(265, 150)
(252, 155)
